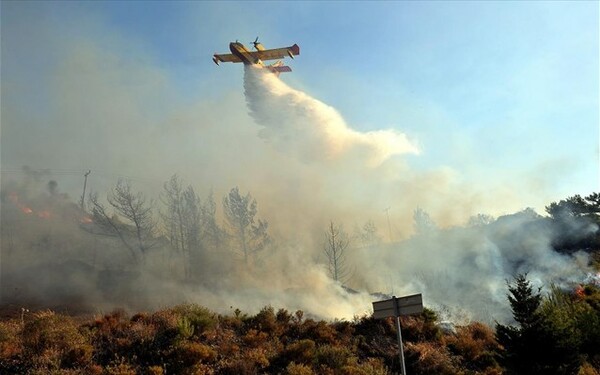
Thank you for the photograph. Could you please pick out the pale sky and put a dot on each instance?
(500, 93)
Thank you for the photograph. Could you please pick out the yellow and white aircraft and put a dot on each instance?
(239, 53)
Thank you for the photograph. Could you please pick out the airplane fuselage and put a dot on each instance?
(243, 53)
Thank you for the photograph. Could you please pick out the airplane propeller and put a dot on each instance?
(256, 43)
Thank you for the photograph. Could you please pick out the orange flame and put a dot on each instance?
(14, 198)
(579, 292)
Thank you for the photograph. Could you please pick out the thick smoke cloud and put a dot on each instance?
(54, 256)
(461, 270)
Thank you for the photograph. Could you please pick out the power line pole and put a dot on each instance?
(84, 186)
(387, 211)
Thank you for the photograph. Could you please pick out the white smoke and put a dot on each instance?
(461, 271)
(295, 122)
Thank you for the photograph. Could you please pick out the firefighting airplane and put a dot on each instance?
(239, 53)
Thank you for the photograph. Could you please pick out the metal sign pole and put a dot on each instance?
(400, 347)
(399, 330)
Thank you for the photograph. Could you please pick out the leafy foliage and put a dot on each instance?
(554, 335)
(576, 219)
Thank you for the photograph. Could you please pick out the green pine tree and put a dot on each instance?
(534, 345)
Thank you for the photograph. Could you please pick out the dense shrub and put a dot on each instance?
(11, 348)
(302, 352)
(333, 357)
(189, 339)
(430, 359)
(298, 369)
(421, 327)
(54, 341)
(188, 354)
(372, 366)
(200, 318)
(265, 321)
(475, 345)
(321, 332)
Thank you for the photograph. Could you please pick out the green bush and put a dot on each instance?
(200, 318)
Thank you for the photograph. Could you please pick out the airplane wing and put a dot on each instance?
(277, 53)
(228, 57)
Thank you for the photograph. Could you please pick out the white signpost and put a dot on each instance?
(396, 307)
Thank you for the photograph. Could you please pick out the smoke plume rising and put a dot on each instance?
(313, 131)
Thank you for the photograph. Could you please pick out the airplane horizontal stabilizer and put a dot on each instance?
(280, 69)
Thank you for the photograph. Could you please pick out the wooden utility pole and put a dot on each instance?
(84, 186)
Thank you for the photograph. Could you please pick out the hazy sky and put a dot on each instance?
(501, 94)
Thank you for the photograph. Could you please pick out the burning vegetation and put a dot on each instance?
(134, 252)
(557, 334)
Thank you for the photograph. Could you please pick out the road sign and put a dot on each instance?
(397, 307)
(401, 306)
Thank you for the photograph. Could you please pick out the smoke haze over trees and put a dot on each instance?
(54, 252)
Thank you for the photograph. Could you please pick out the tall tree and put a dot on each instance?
(192, 214)
(172, 198)
(131, 219)
(250, 233)
(183, 221)
(213, 235)
(335, 247)
(533, 346)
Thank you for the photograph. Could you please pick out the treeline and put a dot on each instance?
(184, 222)
(557, 333)
(574, 223)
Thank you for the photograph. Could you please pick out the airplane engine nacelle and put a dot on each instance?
(216, 60)
(290, 54)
